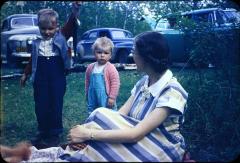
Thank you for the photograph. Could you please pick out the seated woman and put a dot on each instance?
(146, 127)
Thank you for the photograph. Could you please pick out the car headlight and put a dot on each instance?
(30, 39)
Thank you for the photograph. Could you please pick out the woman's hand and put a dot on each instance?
(78, 134)
(17, 153)
(111, 102)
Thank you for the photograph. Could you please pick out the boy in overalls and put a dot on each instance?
(49, 64)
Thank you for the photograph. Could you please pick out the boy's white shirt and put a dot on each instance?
(98, 68)
(46, 49)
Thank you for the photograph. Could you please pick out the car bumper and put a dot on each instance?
(21, 54)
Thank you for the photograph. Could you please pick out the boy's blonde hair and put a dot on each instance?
(47, 16)
(103, 42)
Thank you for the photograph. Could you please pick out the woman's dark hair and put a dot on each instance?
(153, 48)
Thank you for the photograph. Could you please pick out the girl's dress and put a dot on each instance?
(164, 143)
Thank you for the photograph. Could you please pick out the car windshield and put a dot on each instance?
(232, 16)
(164, 24)
(23, 21)
(200, 17)
(120, 34)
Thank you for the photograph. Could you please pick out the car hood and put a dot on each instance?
(28, 30)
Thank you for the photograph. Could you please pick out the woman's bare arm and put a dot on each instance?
(79, 133)
(124, 110)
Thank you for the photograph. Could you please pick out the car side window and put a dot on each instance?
(93, 35)
(128, 35)
(221, 19)
(203, 17)
(84, 37)
(5, 25)
(118, 34)
(104, 33)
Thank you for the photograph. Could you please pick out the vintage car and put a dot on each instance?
(218, 20)
(122, 40)
(17, 33)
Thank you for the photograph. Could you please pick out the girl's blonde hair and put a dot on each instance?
(103, 42)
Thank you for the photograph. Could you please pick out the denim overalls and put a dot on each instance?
(49, 83)
(97, 95)
(49, 88)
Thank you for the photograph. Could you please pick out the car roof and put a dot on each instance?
(200, 11)
(230, 9)
(99, 29)
(21, 15)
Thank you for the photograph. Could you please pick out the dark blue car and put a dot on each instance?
(122, 39)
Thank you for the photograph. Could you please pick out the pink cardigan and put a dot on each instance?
(111, 77)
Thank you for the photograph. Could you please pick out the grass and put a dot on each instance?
(211, 123)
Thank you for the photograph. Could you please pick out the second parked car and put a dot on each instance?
(122, 40)
(219, 21)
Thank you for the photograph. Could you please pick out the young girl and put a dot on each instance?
(102, 78)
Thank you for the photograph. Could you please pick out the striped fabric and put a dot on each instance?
(147, 149)
(163, 144)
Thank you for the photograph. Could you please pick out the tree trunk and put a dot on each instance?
(125, 19)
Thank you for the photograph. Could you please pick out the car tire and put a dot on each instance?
(11, 61)
(79, 54)
(122, 56)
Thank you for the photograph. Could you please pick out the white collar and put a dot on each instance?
(99, 66)
(158, 86)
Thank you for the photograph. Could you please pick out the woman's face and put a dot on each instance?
(138, 59)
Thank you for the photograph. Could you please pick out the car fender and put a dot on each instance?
(120, 46)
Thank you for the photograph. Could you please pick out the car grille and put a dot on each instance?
(21, 46)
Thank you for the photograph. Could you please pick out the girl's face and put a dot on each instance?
(48, 29)
(103, 55)
(138, 60)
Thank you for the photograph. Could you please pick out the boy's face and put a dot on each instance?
(48, 28)
(102, 54)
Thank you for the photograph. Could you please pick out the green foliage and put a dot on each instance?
(211, 126)
(211, 121)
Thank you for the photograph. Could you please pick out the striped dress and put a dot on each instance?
(163, 144)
